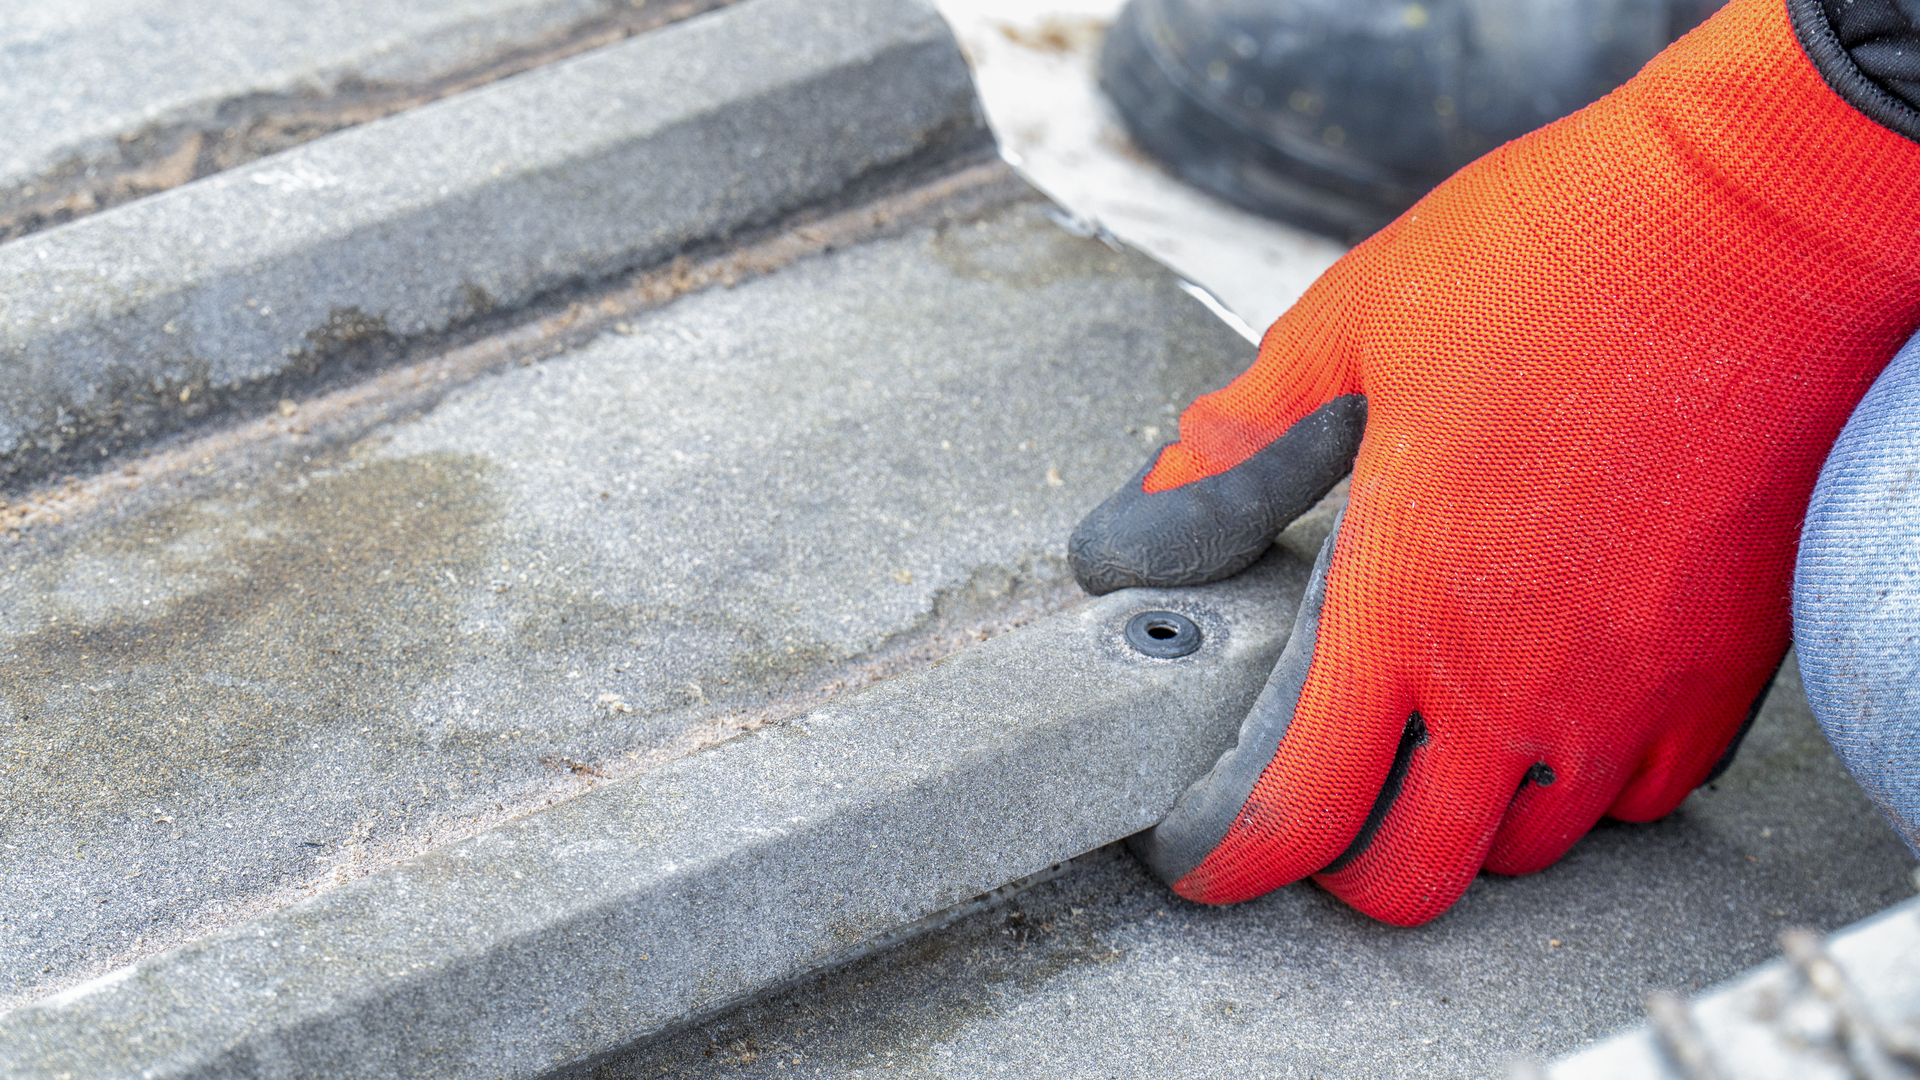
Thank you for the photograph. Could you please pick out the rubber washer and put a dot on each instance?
(1163, 634)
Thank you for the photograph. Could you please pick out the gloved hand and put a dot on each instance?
(1590, 381)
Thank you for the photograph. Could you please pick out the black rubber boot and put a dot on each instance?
(1339, 114)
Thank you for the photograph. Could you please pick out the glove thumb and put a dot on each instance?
(1216, 525)
(1252, 456)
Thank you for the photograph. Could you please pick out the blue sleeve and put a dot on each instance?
(1856, 594)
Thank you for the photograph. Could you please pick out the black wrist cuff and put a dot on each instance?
(1868, 52)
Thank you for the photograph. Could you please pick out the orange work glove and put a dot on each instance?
(1597, 372)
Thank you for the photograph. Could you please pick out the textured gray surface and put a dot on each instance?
(1104, 973)
(1767, 1025)
(79, 78)
(141, 318)
(297, 669)
(626, 909)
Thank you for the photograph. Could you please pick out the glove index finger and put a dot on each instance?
(1215, 526)
(1204, 813)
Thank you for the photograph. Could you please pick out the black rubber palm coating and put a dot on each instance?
(1216, 527)
(1201, 817)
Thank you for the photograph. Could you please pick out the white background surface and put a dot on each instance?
(1034, 62)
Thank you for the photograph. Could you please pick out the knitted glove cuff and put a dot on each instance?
(1868, 51)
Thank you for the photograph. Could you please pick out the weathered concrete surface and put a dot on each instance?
(624, 911)
(141, 319)
(107, 100)
(1105, 973)
(214, 704)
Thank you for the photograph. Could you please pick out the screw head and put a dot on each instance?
(1163, 635)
